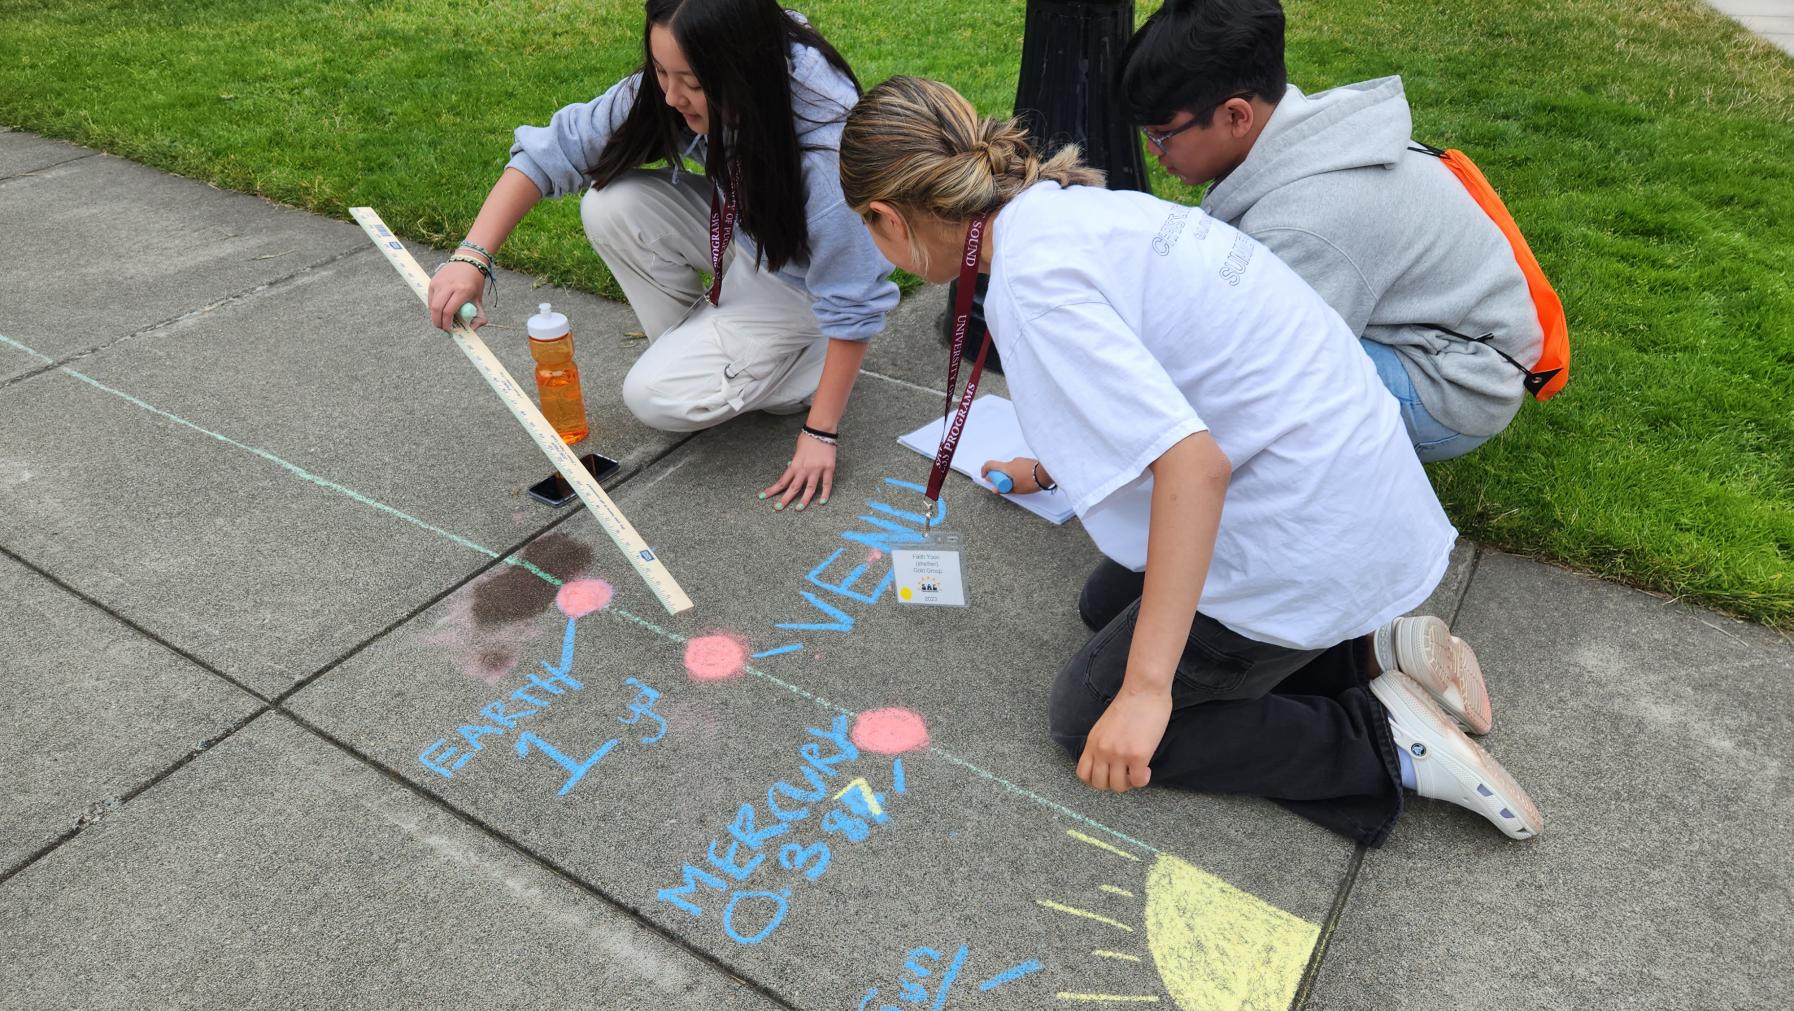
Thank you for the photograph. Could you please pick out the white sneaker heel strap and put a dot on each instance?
(1449, 765)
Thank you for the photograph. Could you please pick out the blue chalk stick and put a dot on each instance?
(1000, 481)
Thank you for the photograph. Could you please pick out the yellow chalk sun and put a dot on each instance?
(1213, 946)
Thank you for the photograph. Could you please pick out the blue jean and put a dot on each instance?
(1432, 441)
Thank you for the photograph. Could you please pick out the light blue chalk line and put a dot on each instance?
(292, 468)
(549, 578)
(779, 650)
(947, 978)
(1009, 974)
(33, 352)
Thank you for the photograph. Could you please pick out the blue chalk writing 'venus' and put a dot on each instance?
(884, 536)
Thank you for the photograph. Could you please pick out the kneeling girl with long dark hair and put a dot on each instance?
(758, 97)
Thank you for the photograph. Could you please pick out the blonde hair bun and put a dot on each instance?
(920, 146)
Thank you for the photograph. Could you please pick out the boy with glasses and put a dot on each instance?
(1334, 185)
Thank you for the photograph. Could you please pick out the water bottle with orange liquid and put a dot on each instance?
(557, 378)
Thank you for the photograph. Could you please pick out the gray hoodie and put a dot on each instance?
(1392, 240)
(847, 279)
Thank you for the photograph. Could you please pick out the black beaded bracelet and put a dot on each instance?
(491, 281)
(820, 434)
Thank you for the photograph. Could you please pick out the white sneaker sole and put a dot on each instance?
(1481, 784)
(1446, 667)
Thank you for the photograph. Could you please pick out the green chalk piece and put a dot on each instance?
(469, 312)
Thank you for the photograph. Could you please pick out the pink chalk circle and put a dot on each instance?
(714, 657)
(581, 597)
(890, 731)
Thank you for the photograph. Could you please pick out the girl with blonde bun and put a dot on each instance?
(1231, 451)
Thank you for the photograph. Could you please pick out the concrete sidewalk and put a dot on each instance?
(1771, 20)
(290, 723)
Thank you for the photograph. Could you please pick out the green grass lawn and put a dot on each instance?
(1647, 148)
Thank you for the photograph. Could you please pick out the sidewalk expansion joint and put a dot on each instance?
(904, 383)
(497, 559)
(110, 612)
(563, 873)
(1337, 910)
(51, 364)
(44, 168)
(1457, 606)
(106, 807)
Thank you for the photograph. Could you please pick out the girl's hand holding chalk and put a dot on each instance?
(455, 287)
(1011, 477)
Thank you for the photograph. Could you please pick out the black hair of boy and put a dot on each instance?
(737, 49)
(1194, 55)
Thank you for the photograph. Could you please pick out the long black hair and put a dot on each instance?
(739, 50)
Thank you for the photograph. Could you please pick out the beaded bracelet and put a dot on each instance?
(476, 247)
(820, 434)
(826, 440)
(491, 281)
(1042, 485)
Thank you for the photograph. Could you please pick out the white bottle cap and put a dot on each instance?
(547, 324)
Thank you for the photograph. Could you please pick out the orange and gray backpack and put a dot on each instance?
(1552, 370)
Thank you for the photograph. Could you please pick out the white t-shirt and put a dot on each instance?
(1127, 323)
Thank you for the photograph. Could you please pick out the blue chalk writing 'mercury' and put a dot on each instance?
(693, 877)
(793, 857)
(778, 916)
(743, 827)
(727, 863)
(772, 804)
(819, 788)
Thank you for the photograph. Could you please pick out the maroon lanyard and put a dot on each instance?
(722, 229)
(962, 318)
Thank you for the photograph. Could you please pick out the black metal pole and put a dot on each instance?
(1066, 94)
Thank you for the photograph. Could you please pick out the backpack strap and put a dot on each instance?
(1552, 370)
(1534, 381)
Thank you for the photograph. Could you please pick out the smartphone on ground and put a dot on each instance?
(555, 491)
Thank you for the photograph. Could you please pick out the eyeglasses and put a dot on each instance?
(1159, 140)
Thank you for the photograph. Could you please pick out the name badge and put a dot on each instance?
(930, 572)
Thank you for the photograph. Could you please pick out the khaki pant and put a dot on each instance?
(760, 349)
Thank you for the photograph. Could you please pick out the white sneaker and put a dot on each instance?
(1424, 649)
(1449, 765)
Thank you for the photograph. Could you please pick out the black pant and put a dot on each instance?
(1297, 726)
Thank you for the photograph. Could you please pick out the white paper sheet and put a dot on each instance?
(991, 433)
